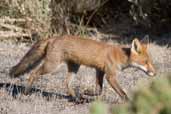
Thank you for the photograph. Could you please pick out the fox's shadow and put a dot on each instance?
(15, 90)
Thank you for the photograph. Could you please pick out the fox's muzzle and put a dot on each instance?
(148, 70)
(151, 73)
(151, 70)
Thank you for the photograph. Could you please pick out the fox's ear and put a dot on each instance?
(145, 41)
(136, 46)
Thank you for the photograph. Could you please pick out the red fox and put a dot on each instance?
(74, 51)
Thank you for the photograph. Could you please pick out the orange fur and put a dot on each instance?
(73, 50)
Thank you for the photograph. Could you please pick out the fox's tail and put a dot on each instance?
(31, 59)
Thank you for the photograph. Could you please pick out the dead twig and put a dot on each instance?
(9, 34)
(11, 27)
(13, 20)
(95, 11)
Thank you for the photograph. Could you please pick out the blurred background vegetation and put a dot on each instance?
(154, 99)
(30, 18)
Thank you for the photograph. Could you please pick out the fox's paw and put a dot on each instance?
(92, 92)
(125, 98)
(27, 90)
(77, 98)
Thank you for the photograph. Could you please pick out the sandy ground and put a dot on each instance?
(50, 95)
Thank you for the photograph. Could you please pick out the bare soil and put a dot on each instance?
(49, 96)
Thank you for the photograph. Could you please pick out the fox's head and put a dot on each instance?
(140, 58)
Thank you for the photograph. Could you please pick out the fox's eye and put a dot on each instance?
(146, 61)
(139, 52)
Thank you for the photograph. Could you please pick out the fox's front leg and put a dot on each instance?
(111, 78)
(114, 84)
(99, 84)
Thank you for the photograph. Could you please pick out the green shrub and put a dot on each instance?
(154, 99)
(98, 107)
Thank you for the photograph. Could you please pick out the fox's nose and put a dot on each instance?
(151, 73)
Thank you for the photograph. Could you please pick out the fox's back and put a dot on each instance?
(82, 51)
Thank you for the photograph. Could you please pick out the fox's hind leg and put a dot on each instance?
(72, 68)
(48, 66)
